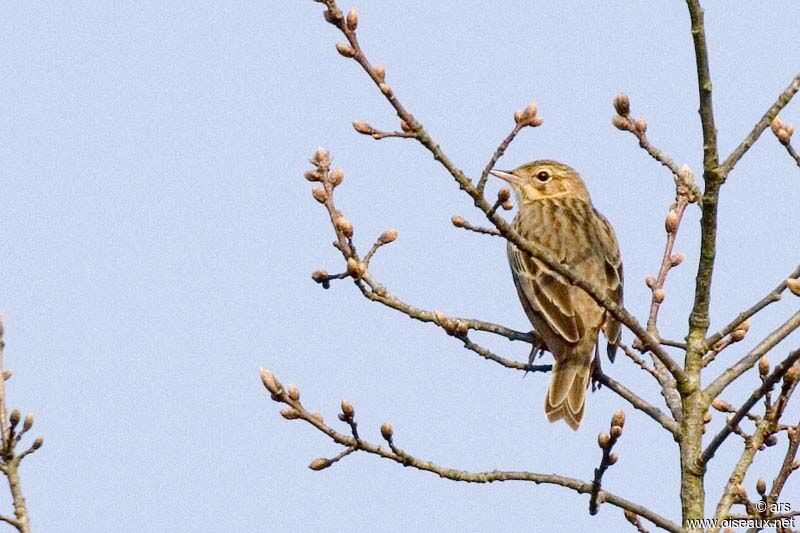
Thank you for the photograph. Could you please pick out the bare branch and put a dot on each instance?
(757, 394)
(638, 127)
(606, 441)
(740, 367)
(773, 296)
(637, 402)
(784, 98)
(299, 412)
(460, 222)
(498, 153)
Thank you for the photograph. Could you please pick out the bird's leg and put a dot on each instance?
(538, 347)
(596, 370)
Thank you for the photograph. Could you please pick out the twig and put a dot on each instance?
(498, 153)
(793, 153)
(773, 296)
(508, 363)
(784, 98)
(638, 127)
(787, 466)
(606, 441)
(637, 402)
(742, 365)
(756, 395)
(763, 432)
(404, 458)
(460, 222)
(668, 260)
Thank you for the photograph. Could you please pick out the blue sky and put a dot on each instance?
(158, 239)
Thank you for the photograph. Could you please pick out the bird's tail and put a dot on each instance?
(566, 395)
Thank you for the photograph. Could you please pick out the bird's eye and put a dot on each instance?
(543, 176)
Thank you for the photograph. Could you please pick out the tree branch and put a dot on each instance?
(784, 98)
(297, 411)
(740, 367)
(757, 394)
(773, 296)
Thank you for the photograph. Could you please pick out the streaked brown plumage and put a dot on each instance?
(556, 213)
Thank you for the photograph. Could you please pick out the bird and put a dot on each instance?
(556, 214)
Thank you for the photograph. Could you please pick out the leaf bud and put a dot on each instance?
(650, 281)
(458, 221)
(640, 125)
(621, 123)
(535, 122)
(344, 226)
(763, 366)
(386, 90)
(352, 20)
(613, 458)
(721, 405)
(345, 49)
(619, 418)
(793, 285)
(270, 383)
(761, 486)
(362, 127)
(336, 176)
(321, 157)
(622, 104)
(388, 236)
(319, 194)
(14, 418)
(677, 259)
(320, 276)
(616, 431)
(387, 431)
(603, 439)
(347, 409)
(37, 443)
(503, 194)
(658, 295)
(290, 413)
(28, 422)
(671, 223)
(319, 464)
(293, 392)
(380, 71)
(311, 175)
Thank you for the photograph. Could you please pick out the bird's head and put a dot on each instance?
(544, 179)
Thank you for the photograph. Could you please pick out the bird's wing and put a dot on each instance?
(607, 244)
(547, 294)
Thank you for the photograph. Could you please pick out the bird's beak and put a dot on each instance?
(506, 176)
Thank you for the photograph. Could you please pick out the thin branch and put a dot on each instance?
(787, 466)
(637, 402)
(498, 153)
(638, 127)
(354, 51)
(668, 260)
(784, 98)
(460, 222)
(740, 367)
(606, 441)
(773, 296)
(793, 153)
(404, 458)
(503, 361)
(756, 395)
